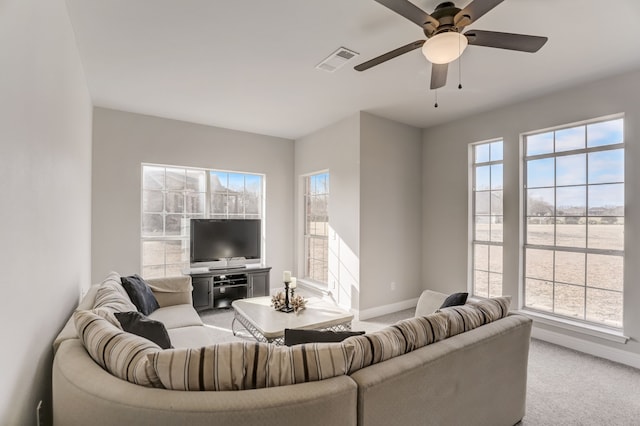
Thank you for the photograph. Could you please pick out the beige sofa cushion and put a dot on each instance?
(176, 316)
(249, 365)
(400, 338)
(171, 290)
(429, 302)
(191, 337)
(122, 354)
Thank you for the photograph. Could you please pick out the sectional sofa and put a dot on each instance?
(475, 377)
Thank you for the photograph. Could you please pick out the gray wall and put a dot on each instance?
(374, 209)
(122, 141)
(45, 175)
(445, 171)
(335, 148)
(390, 212)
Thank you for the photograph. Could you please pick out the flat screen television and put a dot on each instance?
(218, 239)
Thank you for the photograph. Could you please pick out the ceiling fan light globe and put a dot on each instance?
(444, 47)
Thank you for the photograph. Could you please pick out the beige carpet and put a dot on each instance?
(565, 388)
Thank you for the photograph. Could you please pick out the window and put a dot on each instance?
(171, 196)
(235, 195)
(574, 222)
(316, 227)
(487, 218)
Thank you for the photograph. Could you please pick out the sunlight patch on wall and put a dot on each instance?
(344, 272)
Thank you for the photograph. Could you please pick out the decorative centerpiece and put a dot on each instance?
(287, 301)
(298, 303)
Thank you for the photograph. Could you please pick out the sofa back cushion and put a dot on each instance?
(122, 354)
(475, 314)
(249, 365)
(111, 297)
(494, 308)
(400, 338)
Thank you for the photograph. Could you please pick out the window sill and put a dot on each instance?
(314, 286)
(575, 326)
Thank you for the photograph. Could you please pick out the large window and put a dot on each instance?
(574, 221)
(487, 218)
(316, 227)
(171, 196)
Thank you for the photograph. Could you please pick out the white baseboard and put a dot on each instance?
(623, 357)
(385, 309)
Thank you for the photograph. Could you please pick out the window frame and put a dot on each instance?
(184, 236)
(586, 250)
(473, 215)
(307, 259)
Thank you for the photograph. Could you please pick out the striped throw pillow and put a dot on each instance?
(462, 318)
(249, 365)
(400, 338)
(111, 297)
(474, 314)
(494, 308)
(122, 354)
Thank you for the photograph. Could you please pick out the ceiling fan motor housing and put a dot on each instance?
(445, 14)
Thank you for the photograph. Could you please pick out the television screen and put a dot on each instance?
(217, 239)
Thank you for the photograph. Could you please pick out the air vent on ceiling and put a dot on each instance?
(336, 60)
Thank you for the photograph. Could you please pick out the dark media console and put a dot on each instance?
(217, 288)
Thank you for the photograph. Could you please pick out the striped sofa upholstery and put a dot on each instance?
(494, 308)
(120, 353)
(400, 338)
(111, 297)
(249, 365)
(254, 365)
(411, 334)
(475, 314)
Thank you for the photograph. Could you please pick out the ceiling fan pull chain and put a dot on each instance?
(459, 66)
(436, 104)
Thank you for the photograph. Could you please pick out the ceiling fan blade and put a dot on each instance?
(389, 55)
(411, 12)
(520, 42)
(474, 11)
(438, 75)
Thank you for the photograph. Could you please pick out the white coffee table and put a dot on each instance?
(266, 324)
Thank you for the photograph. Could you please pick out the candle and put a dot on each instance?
(293, 282)
(286, 276)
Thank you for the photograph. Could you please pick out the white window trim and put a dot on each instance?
(312, 284)
(207, 207)
(472, 210)
(588, 328)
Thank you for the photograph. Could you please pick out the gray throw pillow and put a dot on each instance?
(138, 324)
(456, 299)
(140, 293)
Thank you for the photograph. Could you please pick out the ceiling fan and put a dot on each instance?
(445, 41)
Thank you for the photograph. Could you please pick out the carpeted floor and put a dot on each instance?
(565, 387)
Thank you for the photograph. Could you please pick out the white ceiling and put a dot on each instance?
(250, 65)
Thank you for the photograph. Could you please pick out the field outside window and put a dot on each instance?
(574, 222)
